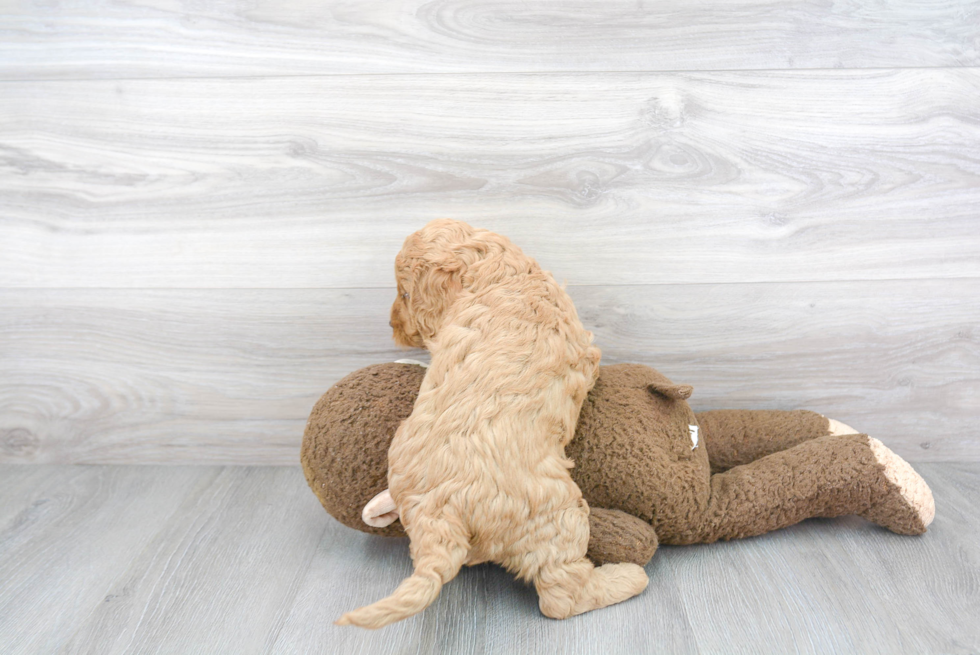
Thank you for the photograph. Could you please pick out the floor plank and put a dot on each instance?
(180, 559)
(229, 376)
(604, 178)
(18, 486)
(833, 580)
(74, 532)
(155, 38)
(219, 576)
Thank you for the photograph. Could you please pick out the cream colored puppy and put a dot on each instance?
(478, 471)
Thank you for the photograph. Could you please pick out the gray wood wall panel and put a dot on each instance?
(200, 204)
(158, 38)
(607, 179)
(229, 376)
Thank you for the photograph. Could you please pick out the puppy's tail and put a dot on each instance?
(438, 556)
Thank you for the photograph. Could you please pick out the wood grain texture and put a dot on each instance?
(162, 38)
(229, 376)
(219, 576)
(74, 532)
(245, 560)
(605, 178)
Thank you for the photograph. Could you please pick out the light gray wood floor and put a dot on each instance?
(141, 559)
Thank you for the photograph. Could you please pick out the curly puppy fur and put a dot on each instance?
(478, 471)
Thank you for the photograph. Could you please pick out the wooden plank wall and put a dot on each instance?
(200, 203)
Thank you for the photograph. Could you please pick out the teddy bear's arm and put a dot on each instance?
(381, 511)
(616, 536)
(734, 437)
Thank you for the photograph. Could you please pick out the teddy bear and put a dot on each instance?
(651, 469)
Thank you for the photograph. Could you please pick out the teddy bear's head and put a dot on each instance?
(345, 445)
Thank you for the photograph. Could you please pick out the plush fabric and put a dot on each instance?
(751, 471)
(345, 446)
(736, 437)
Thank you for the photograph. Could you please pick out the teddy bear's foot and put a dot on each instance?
(909, 508)
(836, 427)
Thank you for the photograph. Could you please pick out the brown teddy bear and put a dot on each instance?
(652, 470)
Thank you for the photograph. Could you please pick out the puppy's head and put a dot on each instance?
(429, 271)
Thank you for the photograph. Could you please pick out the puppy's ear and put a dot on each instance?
(435, 285)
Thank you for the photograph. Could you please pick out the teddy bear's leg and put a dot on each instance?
(734, 437)
(566, 581)
(828, 476)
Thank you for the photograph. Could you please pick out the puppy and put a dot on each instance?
(478, 471)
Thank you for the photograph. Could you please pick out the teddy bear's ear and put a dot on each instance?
(671, 390)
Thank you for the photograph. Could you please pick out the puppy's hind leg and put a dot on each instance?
(439, 548)
(567, 582)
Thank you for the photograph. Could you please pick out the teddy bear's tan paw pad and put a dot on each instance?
(913, 488)
(380, 511)
(837, 428)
